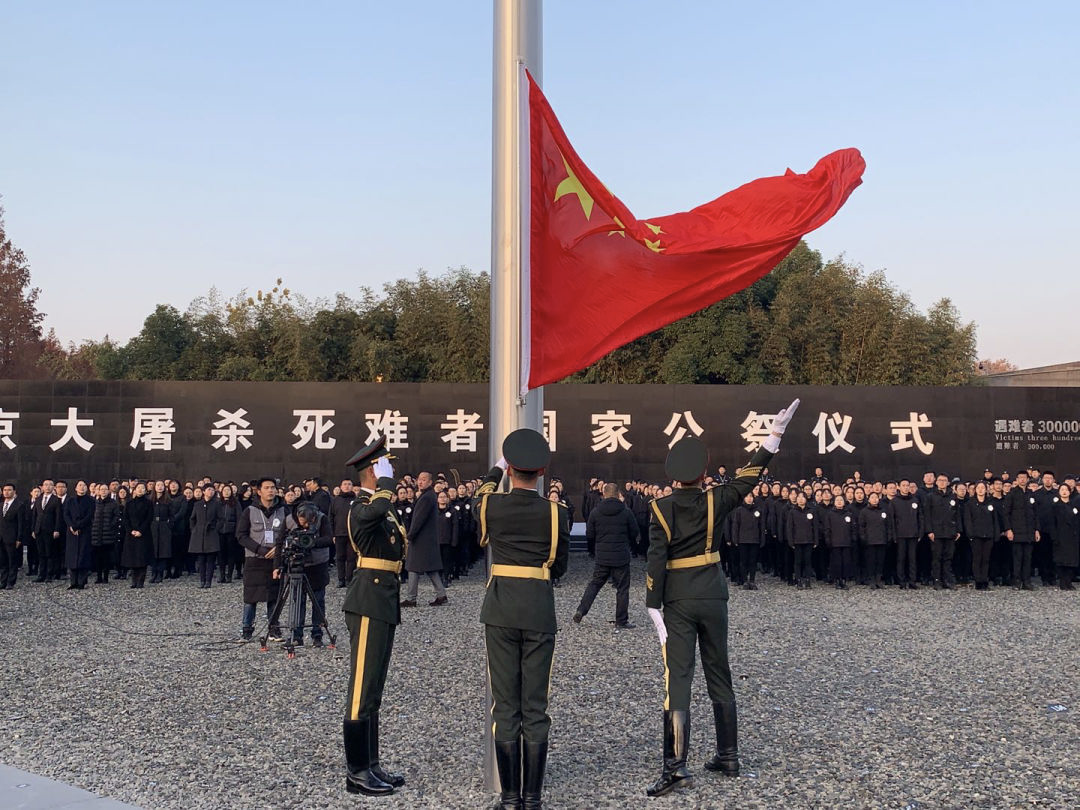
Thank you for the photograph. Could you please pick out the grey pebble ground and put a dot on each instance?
(846, 698)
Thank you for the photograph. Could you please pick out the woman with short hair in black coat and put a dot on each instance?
(179, 514)
(79, 518)
(205, 541)
(137, 552)
(747, 529)
(839, 530)
(231, 554)
(802, 532)
(876, 531)
(983, 523)
(1066, 537)
(161, 531)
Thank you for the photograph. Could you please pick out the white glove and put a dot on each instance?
(383, 468)
(658, 619)
(501, 464)
(779, 425)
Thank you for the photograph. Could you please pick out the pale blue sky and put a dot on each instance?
(151, 150)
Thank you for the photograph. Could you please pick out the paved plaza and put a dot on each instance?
(859, 698)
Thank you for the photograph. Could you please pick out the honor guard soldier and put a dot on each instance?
(371, 614)
(530, 545)
(685, 580)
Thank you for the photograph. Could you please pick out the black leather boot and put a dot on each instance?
(533, 764)
(726, 760)
(358, 775)
(676, 741)
(508, 761)
(392, 779)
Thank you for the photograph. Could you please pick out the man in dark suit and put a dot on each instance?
(686, 581)
(48, 524)
(372, 614)
(530, 545)
(424, 556)
(13, 531)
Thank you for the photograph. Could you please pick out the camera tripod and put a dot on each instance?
(295, 586)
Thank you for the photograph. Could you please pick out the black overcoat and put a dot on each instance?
(161, 529)
(79, 517)
(1067, 534)
(138, 517)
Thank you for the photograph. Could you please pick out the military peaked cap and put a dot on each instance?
(368, 454)
(686, 460)
(526, 450)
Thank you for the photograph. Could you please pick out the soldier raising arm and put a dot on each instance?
(372, 614)
(687, 593)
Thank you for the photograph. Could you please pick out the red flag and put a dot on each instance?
(600, 277)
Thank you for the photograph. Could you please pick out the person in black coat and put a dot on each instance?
(612, 530)
(943, 529)
(423, 556)
(160, 531)
(46, 530)
(983, 522)
(1021, 530)
(179, 519)
(104, 532)
(1066, 537)
(344, 553)
(802, 530)
(459, 502)
(876, 531)
(138, 519)
(205, 542)
(447, 528)
(79, 519)
(838, 528)
(908, 520)
(231, 555)
(747, 533)
(13, 532)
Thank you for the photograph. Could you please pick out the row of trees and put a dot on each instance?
(808, 322)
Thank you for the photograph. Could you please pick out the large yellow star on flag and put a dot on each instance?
(571, 185)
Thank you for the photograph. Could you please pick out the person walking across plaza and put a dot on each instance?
(612, 531)
(424, 557)
(687, 598)
(529, 538)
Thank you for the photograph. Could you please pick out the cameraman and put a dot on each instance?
(316, 561)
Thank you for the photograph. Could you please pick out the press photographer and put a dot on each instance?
(260, 530)
(306, 544)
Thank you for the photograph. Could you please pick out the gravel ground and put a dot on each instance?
(846, 699)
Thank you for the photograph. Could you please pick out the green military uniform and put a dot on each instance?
(529, 539)
(372, 614)
(685, 579)
(371, 606)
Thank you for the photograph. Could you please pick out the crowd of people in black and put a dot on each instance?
(1006, 529)
(998, 530)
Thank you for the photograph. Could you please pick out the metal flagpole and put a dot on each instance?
(517, 43)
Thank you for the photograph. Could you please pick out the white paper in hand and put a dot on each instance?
(658, 621)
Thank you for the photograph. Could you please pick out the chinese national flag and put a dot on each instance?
(600, 277)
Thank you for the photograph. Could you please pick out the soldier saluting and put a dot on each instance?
(372, 615)
(686, 582)
(530, 545)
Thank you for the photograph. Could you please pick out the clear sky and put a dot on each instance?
(151, 150)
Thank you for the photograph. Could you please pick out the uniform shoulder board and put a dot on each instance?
(562, 506)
